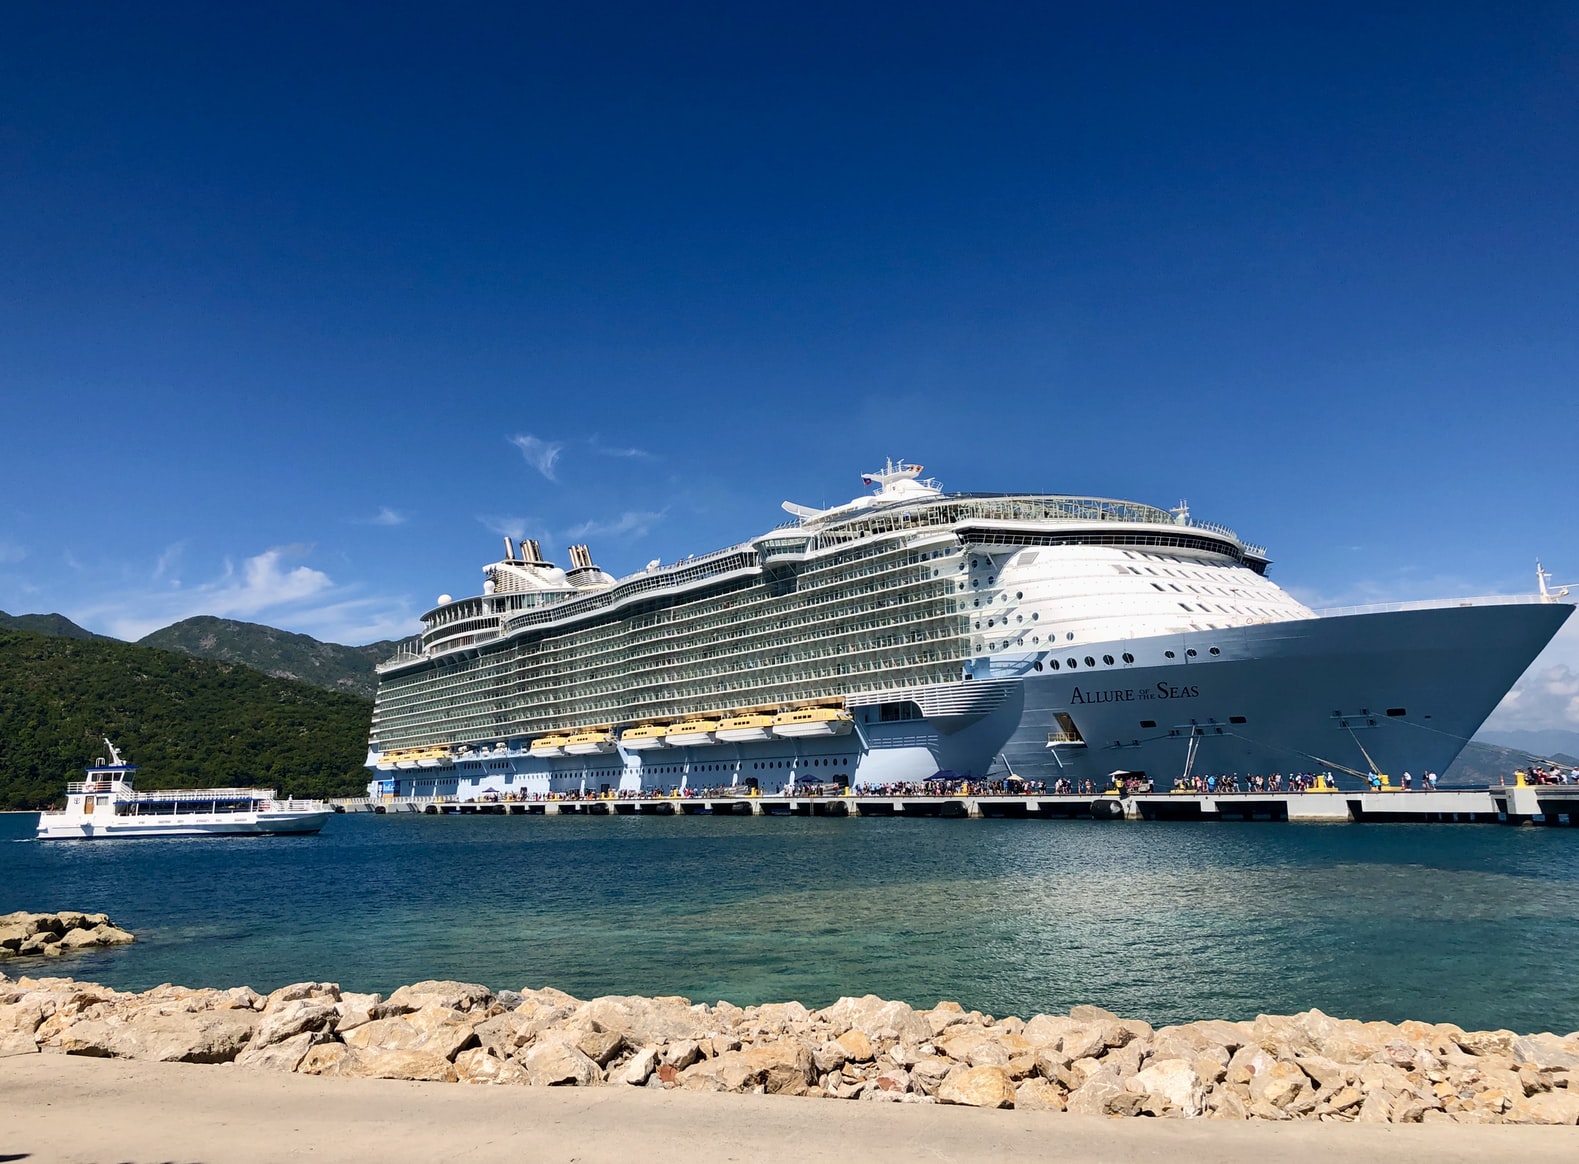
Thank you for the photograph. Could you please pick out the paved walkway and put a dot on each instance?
(61, 1108)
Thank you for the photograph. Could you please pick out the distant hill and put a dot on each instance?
(45, 624)
(1483, 763)
(276, 652)
(1540, 743)
(189, 722)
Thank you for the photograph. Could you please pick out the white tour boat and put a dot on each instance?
(107, 805)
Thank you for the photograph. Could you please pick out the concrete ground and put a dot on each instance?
(64, 1108)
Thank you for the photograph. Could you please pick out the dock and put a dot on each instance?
(1545, 804)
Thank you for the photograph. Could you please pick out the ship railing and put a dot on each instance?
(1432, 604)
(204, 794)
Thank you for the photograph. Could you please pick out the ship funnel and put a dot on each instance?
(530, 552)
(509, 549)
(582, 572)
(580, 558)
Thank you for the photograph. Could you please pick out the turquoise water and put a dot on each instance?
(1477, 925)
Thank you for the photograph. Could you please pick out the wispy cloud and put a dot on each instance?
(167, 563)
(388, 516)
(510, 526)
(631, 524)
(11, 553)
(595, 443)
(1547, 694)
(273, 586)
(540, 454)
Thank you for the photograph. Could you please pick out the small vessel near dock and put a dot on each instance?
(106, 804)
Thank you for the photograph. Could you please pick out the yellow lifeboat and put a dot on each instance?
(692, 733)
(648, 735)
(812, 721)
(549, 745)
(589, 743)
(743, 729)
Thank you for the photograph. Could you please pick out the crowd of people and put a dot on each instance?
(1538, 774)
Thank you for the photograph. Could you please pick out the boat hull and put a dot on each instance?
(244, 824)
(1265, 702)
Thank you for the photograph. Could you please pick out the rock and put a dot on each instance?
(1377, 1108)
(325, 1059)
(1103, 1093)
(1227, 1104)
(600, 1046)
(279, 1054)
(880, 1020)
(502, 1035)
(555, 1063)
(292, 1018)
(640, 1067)
(1547, 1053)
(389, 1063)
(681, 1055)
(944, 1015)
(355, 1010)
(1084, 1042)
(643, 1020)
(297, 991)
(478, 1066)
(831, 1056)
(927, 1073)
(781, 1068)
(977, 1087)
(857, 1046)
(1174, 1083)
(463, 996)
(1279, 1086)
(1329, 1077)
(1092, 1014)
(896, 1079)
(1497, 1043)
(1545, 1107)
(14, 1043)
(1046, 1030)
(182, 1037)
(435, 1029)
(1038, 1095)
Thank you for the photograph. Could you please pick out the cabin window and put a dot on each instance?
(1128, 658)
(1108, 659)
(1148, 723)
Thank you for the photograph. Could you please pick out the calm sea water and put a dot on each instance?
(1477, 925)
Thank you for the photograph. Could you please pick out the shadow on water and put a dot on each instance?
(1470, 924)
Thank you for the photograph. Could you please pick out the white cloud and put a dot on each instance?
(540, 454)
(1547, 694)
(632, 523)
(388, 516)
(11, 553)
(507, 525)
(267, 587)
(597, 446)
(167, 562)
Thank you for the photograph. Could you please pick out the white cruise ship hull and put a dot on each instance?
(61, 826)
(1403, 690)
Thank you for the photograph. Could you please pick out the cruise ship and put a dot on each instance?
(913, 631)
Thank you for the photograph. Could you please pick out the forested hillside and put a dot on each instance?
(276, 652)
(189, 722)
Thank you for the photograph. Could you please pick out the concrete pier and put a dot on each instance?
(1535, 804)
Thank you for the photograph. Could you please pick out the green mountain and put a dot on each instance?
(189, 722)
(1483, 763)
(276, 652)
(45, 624)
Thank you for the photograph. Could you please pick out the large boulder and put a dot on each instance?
(1547, 1053)
(1172, 1085)
(412, 1063)
(478, 1066)
(642, 1020)
(1545, 1107)
(292, 1018)
(208, 1036)
(555, 1063)
(880, 1020)
(1103, 1093)
(977, 1087)
(464, 996)
(280, 1054)
(783, 1067)
(435, 1029)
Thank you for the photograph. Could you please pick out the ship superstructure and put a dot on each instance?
(912, 630)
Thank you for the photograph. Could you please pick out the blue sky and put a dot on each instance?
(300, 308)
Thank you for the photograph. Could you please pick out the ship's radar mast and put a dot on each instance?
(1542, 577)
(1182, 511)
(115, 756)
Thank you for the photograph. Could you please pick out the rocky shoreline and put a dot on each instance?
(1307, 1066)
(52, 934)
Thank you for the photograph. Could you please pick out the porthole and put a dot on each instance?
(1036, 638)
(1169, 654)
(989, 622)
(1190, 652)
(1019, 618)
(1108, 659)
(1215, 651)
(1090, 662)
(1035, 616)
(1128, 658)
(1073, 663)
(1070, 636)
(1038, 666)
(1053, 663)
(975, 582)
(1019, 594)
